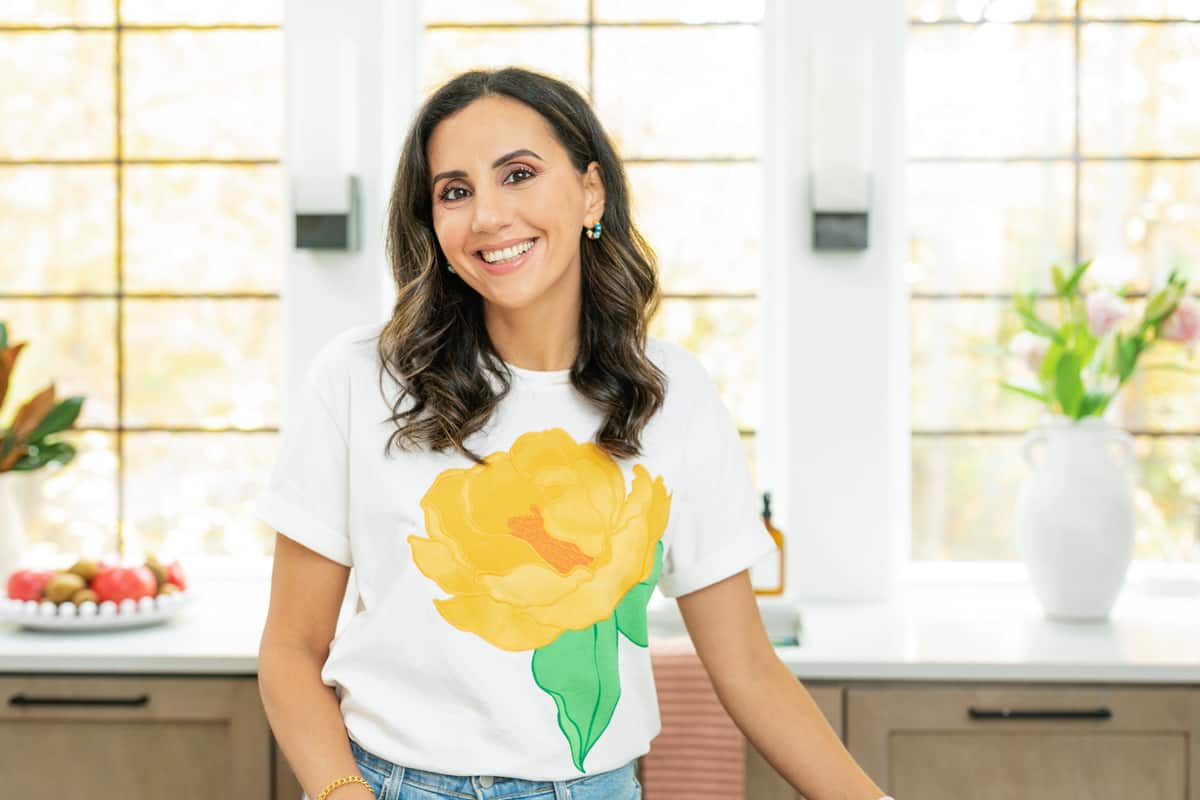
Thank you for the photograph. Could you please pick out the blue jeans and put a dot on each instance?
(395, 782)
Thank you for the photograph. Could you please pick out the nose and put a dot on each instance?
(491, 211)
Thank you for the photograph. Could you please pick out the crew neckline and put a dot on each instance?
(541, 377)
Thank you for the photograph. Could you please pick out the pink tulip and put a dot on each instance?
(1031, 349)
(1183, 325)
(1104, 311)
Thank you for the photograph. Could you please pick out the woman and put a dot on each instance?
(512, 465)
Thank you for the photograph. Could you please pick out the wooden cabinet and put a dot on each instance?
(762, 781)
(1032, 742)
(116, 738)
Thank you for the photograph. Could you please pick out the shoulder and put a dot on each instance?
(684, 369)
(350, 350)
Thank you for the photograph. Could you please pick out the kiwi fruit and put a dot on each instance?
(61, 587)
(85, 568)
(83, 595)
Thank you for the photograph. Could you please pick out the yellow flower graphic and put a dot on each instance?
(542, 539)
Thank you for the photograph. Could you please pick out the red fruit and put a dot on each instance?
(28, 584)
(175, 575)
(120, 583)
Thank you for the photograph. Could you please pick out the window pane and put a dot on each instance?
(662, 94)
(988, 227)
(1160, 399)
(210, 12)
(71, 509)
(211, 363)
(57, 12)
(192, 493)
(1140, 9)
(1140, 93)
(994, 90)
(957, 371)
(749, 444)
(561, 52)
(56, 95)
(989, 471)
(203, 94)
(72, 344)
(990, 10)
(674, 209)
(472, 11)
(964, 489)
(203, 228)
(725, 336)
(59, 231)
(693, 11)
(1139, 219)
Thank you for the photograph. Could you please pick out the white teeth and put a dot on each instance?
(509, 252)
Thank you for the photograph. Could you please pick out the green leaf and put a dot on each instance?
(59, 419)
(1060, 280)
(1068, 385)
(40, 456)
(3, 334)
(1035, 325)
(1093, 403)
(1026, 391)
(579, 670)
(630, 614)
(1076, 276)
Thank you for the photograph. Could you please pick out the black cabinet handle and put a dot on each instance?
(28, 700)
(1009, 713)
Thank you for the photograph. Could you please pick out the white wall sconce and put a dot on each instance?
(840, 114)
(323, 132)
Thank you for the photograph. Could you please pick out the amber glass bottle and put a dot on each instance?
(777, 535)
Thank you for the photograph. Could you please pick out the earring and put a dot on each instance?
(594, 231)
(449, 268)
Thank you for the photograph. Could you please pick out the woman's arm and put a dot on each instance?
(773, 709)
(306, 596)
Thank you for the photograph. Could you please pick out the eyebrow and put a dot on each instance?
(458, 173)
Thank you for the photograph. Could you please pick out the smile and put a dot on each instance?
(508, 259)
(508, 253)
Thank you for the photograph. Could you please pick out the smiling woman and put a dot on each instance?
(501, 644)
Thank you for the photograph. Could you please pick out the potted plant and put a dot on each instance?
(1074, 520)
(26, 445)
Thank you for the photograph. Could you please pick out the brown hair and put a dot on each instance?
(435, 342)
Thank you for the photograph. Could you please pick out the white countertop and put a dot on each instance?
(925, 632)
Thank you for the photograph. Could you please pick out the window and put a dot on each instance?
(142, 258)
(689, 130)
(1041, 132)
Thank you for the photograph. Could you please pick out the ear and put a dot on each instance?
(593, 193)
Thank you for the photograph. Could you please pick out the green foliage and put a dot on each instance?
(1077, 374)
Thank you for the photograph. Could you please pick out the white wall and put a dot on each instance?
(838, 440)
(326, 292)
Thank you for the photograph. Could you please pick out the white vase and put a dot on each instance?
(1074, 516)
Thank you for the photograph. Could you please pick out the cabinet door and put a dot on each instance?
(116, 738)
(762, 781)
(1035, 743)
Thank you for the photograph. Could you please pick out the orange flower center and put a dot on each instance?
(563, 556)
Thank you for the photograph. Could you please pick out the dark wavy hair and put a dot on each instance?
(436, 346)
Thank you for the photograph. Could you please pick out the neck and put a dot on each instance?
(542, 336)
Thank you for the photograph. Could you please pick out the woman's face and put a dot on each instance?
(501, 179)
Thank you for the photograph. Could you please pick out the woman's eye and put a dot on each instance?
(445, 197)
(520, 169)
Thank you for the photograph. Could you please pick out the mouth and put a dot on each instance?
(509, 264)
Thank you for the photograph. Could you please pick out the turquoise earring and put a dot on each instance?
(594, 231)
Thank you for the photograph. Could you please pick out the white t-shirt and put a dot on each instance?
(501, 628)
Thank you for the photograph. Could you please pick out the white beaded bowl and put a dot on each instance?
(87, 616)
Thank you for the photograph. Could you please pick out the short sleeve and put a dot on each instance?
(306, 494)
(717, 530)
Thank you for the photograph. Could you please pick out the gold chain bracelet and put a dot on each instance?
(342, 782)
